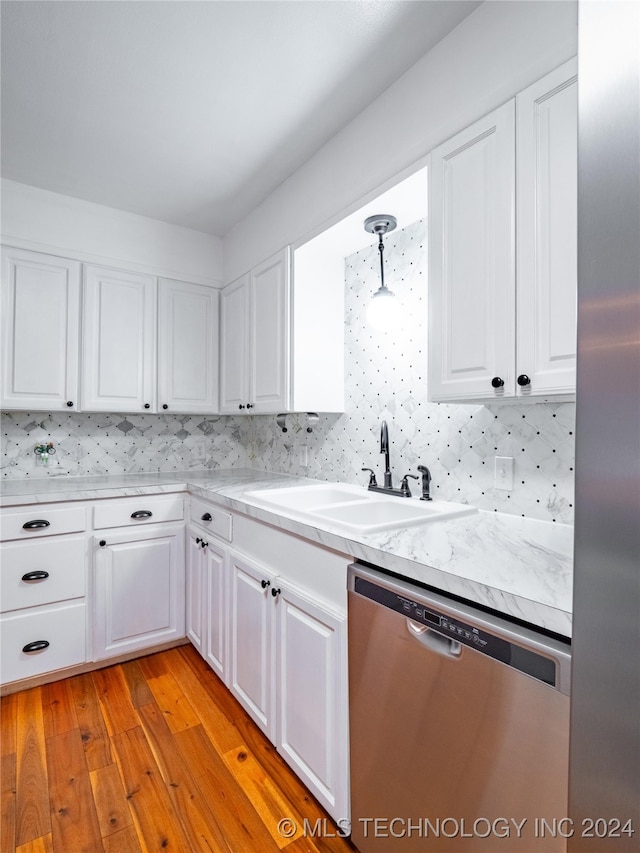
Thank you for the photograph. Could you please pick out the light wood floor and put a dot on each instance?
(150, 755)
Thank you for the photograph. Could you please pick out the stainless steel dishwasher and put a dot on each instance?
(459, 725)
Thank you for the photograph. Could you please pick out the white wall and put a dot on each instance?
(49, 222)
(497, 51)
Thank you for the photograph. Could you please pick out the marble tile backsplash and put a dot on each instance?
(385, 380)
(88, 444)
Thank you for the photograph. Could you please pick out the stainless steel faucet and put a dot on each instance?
(384, 448)
(403, 491)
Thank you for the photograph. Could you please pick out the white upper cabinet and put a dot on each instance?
(254, 339)
(281, 337)
(472, 261)
(234, 346)
(119, 339)
(187, 348)
(547, 122)
(40, 330)
(269, 336)
(503, 325)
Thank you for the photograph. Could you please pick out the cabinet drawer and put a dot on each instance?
(63, 627)
(212, 518)
(41, 520)
(124, 513)
(42, 571)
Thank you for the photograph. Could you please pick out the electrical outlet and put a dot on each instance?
(303, 457)
(504, 473)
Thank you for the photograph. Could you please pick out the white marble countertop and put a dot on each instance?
(518, 566)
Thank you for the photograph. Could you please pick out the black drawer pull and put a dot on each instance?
(206, 517)
(38, 575)
(142, 513)
(35, 525)
(36, 646)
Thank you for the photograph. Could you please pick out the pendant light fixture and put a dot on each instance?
(383, 312)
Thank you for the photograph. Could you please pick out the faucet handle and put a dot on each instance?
(372, 476)
(404, 485)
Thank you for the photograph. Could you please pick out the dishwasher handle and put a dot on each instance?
(430, 639)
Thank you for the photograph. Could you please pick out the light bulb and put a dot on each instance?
(383, 311)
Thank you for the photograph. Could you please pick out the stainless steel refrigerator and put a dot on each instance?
(604, 780)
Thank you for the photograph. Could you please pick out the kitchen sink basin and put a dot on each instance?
(355, 509)
(308, 497)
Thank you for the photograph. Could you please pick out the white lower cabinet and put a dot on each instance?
(287, 657)
(139, 588)
(43, 583)
(267, 613)
(206, 599)
(42, 639)
(311, 707)
(251, 640)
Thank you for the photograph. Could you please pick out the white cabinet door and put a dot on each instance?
(312, 706)
(254, 339)
(234, 347)
(251, 641)
(472, 261)
(206, 599)
(187, 347)
(215, 602)
(40, 329)
(195, 591)
(270, 345)
(547, 129)
(119, 334)
(139, 589)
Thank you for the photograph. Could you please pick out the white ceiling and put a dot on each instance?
(193, 111)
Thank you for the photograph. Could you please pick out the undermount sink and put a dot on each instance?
(354, 508)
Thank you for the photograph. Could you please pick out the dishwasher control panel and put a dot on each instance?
(525, 660)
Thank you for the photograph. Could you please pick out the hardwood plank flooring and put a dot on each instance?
(150, 755)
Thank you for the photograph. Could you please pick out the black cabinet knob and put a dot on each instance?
(249, 405)
(70, 403)
(241, 406)
(496, 382)
(264, 584)
(523, 380)
(164, 406)
(36, 646)
(206, 517)
(103, 542)
(147, 405)
(275, 592)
